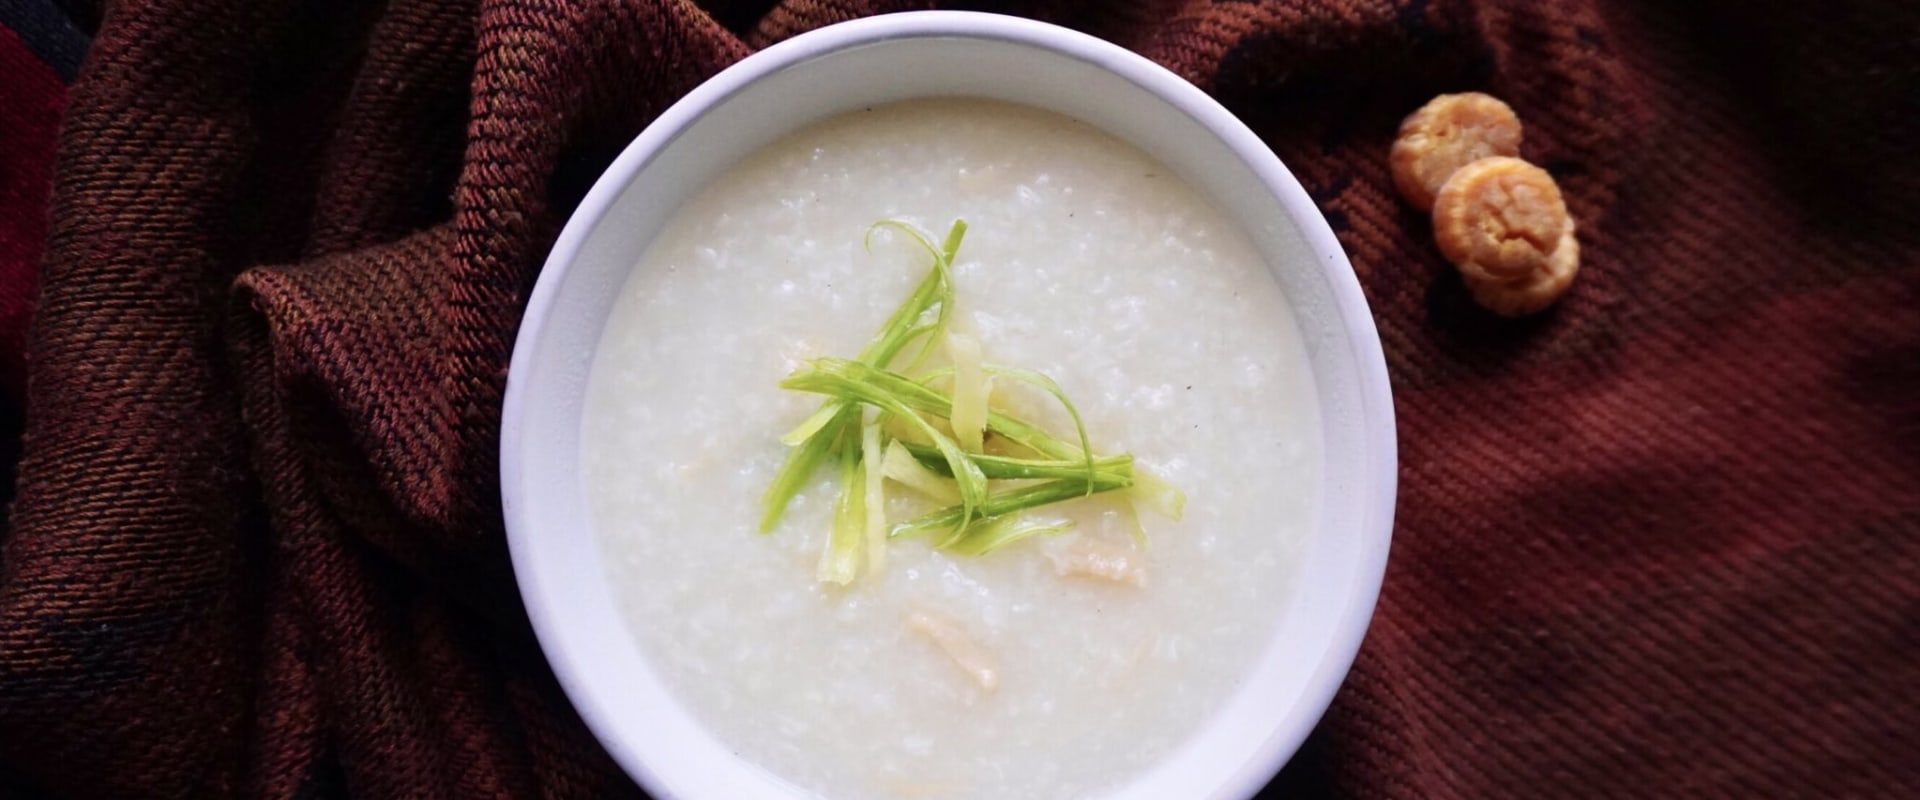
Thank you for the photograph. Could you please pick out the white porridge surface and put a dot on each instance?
(1085, 260)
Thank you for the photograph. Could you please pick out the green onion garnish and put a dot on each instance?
(898, 439)
(900, 329)
(904, 466)
(841, 561)
(1008, 502)
(997, 533)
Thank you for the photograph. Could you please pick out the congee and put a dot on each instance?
(835, 455)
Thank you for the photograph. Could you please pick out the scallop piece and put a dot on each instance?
(1450, 132)
(1085, 557)
(975, 660)
(1504, 225)
(1534, 292)
(1500, 219)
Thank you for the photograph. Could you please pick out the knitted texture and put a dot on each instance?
(39, 51)
(1663, 540)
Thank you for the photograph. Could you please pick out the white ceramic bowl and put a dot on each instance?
(555, 552)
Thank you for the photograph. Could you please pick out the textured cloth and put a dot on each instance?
(1663, 540)
(39, 52)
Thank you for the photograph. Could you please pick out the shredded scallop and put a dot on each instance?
(973, 659)
(1085, 556)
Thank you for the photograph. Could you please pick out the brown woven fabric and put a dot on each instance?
(1663, 540)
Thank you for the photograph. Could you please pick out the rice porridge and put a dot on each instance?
(940, 675)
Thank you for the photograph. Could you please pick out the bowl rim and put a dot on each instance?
(1359, 333)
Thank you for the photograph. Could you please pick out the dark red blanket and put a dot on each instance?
(1661, 541)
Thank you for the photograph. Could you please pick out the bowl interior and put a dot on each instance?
(556, 555)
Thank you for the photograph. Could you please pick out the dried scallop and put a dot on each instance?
(1450, 132)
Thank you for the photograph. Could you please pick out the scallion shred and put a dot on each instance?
(879, 423)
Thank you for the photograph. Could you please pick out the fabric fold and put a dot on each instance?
(1657, 541)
